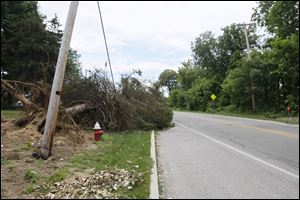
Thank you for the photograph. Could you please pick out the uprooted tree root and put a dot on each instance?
(36, 108)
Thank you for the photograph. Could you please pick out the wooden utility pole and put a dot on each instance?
(249, 57)
(50, 124)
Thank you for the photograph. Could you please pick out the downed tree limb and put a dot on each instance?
(77, 109)
(18, 95)
(25, 83)
(37, 115)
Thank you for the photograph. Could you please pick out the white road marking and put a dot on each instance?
(241, 152)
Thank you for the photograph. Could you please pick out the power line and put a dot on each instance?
(112, 76)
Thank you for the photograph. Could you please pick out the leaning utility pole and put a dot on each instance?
(249, 57)
(50, 125)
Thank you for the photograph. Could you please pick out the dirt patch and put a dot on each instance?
(17, 147)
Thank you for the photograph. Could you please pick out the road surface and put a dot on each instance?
(210, 156)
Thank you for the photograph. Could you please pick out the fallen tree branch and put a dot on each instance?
(18, 95)
(77, 109)
(25, 83)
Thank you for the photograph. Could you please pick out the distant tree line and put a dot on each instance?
(219, 66)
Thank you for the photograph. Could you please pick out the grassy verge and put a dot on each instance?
(129, 151)
(11, 114)
(262, 116)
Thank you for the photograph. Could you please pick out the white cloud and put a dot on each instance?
(161, 29)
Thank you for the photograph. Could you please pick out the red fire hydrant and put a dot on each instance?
(289, 109)
(98, 132)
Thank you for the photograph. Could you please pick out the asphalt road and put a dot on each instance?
(209, 156)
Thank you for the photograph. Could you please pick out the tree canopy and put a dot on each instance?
(269, 81)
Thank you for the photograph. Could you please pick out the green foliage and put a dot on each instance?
(148, 107)
(293, 102)
(30, 45)
(187, 74)
(270, 78)
(285, 54)
(272, 115)
(58, 176)
(24, 32)
(279, 17)
(198, 97)
(168, 78)
(204, 52)
(73, 67)
(134, 105)
(25, 146)
(31, 175)
(29, 189)
(236, 85)
(177, 99)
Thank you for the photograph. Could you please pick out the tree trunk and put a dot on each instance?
(253, 103)
(72, 111)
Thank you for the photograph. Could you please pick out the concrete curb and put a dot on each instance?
(154, 192)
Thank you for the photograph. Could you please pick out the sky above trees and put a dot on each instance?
(150, 36)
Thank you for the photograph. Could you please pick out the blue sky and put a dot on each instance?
(150, 36)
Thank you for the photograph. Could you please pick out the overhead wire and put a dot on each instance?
(112, 76)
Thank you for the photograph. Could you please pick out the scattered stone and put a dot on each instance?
(101, 185)
(128, 161)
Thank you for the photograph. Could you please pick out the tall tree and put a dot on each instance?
(187, 74)
(168, 78)
(279, 17)
(205, 53)
(28, 50)
(232, 45)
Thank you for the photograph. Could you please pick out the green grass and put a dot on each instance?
(29, 189)
(130, 151)
(31, 175)
(11, 114)
(263, 116)
(25, 146)
(58, 175)
(38, 163)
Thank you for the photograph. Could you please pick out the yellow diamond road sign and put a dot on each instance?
(213, 97)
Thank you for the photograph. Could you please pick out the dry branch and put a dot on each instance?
(18, 95)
